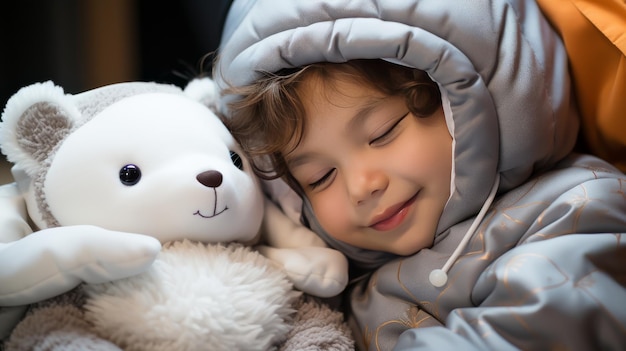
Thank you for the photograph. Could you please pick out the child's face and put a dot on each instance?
(377, 176)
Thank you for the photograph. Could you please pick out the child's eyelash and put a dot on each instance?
(322, 180)
(388, 131)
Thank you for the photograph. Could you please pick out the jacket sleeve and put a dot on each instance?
(563, 287)
(563, 293)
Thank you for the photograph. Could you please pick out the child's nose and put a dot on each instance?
(364, 184)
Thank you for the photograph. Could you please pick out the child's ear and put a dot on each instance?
(35, 120)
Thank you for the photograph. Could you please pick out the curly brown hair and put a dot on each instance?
(268, 117)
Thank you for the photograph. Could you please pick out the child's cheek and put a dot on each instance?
(332, 214)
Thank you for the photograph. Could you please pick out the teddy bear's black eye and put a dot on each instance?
(130, 175)
(237, 161)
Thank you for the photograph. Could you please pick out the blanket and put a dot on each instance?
(59, 324)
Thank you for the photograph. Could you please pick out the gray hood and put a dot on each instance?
(502, 68)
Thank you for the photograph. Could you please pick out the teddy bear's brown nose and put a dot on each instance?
(212, 179)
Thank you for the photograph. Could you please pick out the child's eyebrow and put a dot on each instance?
(364, 112)
(356, 121)
(298, 159)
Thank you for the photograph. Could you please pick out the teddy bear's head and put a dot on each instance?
(136, 157)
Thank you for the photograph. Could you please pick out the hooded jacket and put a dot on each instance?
(530, 249)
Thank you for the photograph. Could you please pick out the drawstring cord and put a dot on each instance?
(439, 277)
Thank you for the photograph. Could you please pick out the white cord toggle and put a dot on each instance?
(439, 277)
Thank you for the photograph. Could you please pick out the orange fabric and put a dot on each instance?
(594, 33)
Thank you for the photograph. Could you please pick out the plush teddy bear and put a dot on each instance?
(140, 191)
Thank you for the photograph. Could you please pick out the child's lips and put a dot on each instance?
(393, 216)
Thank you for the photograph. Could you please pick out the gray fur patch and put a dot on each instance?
(93, 102)
(41, 128)
(40, 195)
(40, 131)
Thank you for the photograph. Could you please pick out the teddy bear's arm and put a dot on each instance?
(312, 266)
(13, 215)
(55, 260)
(40, 265)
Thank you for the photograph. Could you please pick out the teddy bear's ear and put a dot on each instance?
(35, 120)
(203, 90)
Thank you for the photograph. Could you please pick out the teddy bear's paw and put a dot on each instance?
(53, 261)
(196, 297)
(318, 271)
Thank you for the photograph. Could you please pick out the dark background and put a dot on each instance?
(83, 44)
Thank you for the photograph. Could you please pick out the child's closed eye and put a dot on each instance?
(321, 181)
(387, 133)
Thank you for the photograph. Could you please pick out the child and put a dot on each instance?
(478, 227)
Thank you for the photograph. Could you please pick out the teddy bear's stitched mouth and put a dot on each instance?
(215, 214)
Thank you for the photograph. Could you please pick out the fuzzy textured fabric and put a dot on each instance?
(57, 324)
(196, 296)
(316, 326)
(232, 299)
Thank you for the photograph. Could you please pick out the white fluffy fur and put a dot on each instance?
(203, 90)
(196, 297)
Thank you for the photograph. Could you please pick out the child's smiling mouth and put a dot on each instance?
(393, 216)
